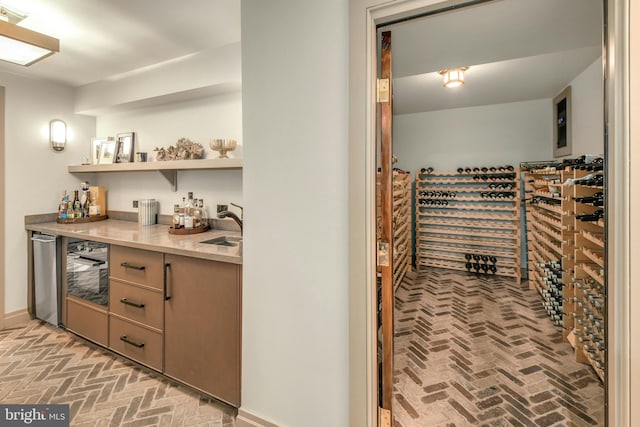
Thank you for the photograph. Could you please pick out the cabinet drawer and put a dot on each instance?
(87, 321)
(135, 303)
(136, 342)
(137, 265)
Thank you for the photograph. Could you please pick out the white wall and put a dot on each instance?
(35, 175)
(200, 120)
(587, 104)
(295, 289)
(476, 136)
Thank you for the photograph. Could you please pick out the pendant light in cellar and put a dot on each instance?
(453, 77)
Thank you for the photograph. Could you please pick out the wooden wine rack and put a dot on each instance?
(468, 223)
(550, 241)
(402, 246)
(590, 286)
(556, 236)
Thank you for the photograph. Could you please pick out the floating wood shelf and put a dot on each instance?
(169, 169)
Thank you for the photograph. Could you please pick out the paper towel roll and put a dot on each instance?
(147, 211)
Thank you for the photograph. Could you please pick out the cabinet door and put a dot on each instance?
(202, 325)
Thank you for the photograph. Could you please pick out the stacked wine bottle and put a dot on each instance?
(471, 210)
(480, 263)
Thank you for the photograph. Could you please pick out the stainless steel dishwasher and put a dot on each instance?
(47, 277)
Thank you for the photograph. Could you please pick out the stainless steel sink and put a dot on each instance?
(223, 241)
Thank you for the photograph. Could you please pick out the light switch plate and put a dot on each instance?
(135, 203)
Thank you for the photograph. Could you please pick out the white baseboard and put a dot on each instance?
(16, 318)
(247, 419)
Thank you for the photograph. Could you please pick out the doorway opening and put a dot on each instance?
(491, 204)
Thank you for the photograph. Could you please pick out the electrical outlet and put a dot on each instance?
(221, 208)
(135, 203)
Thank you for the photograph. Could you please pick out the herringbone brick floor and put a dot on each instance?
(43, 364)
(479, 350)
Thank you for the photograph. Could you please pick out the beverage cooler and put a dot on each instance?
(88, 271)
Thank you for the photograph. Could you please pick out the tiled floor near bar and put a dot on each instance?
(480, 350)
(42, 364)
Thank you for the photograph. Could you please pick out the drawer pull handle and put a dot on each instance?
(167, 269)
(128, 341)
(131, 303)
(135, 267)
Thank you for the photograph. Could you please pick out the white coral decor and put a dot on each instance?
(185, 149)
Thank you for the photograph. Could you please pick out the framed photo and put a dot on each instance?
(562, 123)
(124, 147)
(95, 149)
(107, 152)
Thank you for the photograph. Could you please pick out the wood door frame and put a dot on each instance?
(363, 60)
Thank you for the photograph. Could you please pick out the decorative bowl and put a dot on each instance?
(222, 146)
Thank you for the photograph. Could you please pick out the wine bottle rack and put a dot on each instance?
(559, 244)
(550, 241)
(402, 247)
(589, 330)
(461, 213)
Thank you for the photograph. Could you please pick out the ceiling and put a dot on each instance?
(102, 40)
(516, 49)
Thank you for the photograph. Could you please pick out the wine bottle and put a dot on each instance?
(77, 206)
(595, 216)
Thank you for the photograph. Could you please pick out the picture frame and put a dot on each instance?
(107, 152)
(95, 149)
(562, 123)
(125, 144)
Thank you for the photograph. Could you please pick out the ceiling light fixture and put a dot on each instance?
(453, 77)
(20, 45)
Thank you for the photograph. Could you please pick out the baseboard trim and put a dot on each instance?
(247, 419)
(16, 318)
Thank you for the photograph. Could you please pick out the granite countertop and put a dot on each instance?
(149, 237)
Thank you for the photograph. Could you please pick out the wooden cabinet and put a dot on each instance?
(136, 305)
(202, 325)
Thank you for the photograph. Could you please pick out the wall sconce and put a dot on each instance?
(57, 134)
(453, 77)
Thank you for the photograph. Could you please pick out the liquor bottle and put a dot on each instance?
(188, 212)
(176, 216)
(94, 208)
(197, 214)
(69, 209)
(203, 212)
(181, 211)
(77, 206)
(62, 207)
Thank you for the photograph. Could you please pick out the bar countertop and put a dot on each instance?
(149, 237)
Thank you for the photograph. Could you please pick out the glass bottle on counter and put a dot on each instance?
(181, 211)
(197, 215)
(62, 207)
(77, 206)
(176, 216)
(203, 212)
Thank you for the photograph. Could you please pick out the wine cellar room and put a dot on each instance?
(498, 215)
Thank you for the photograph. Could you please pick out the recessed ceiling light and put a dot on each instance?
(20, 45)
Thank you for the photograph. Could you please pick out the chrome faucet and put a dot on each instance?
(233, 216)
